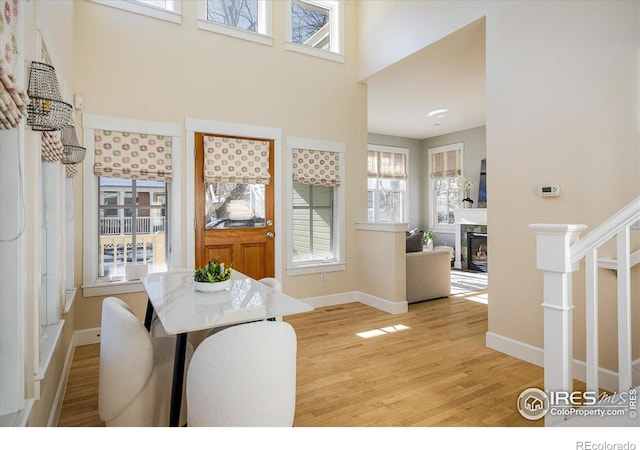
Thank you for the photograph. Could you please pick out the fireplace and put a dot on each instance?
(477, 252)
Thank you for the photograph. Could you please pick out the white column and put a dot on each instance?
(553, 257)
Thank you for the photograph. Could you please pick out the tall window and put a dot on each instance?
(447, 185)
(387, 184)
(131, 232)
(51, 258)
(245, 19)
(316, 205)
(129, 218)
(316, 27)
(312, 222)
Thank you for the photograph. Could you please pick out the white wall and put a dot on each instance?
(562, 106)
(131, 66)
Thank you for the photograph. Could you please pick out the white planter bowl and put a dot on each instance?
(204, 286)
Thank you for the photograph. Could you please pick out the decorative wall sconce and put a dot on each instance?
(73, 153)
(46, 111)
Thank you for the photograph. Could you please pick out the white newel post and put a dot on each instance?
(553, 257)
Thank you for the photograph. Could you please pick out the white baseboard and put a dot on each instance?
(535, 355)
(359, 297)
(517, 349)
(87, 336)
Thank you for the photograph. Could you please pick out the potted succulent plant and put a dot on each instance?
(427, 239)
(212, 277)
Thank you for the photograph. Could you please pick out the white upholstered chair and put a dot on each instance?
(135, 370)
(244, 376)
(272, 282)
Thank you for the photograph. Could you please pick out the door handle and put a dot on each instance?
(270, 234)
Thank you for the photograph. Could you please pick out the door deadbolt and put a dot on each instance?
(269, 222)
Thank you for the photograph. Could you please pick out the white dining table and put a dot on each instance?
(182, 309)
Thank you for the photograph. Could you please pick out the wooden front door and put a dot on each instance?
(234, 221)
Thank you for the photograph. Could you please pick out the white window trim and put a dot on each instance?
(336, 52)
(145, 10)
(50, 323)
(338, 262)
(91, 122)
(52, 189)
(262, 36)
(13, 279)
(193, 126)
(403, 151)
(443, 228)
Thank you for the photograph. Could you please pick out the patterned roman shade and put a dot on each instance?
(236, 160)
(52, 148)
(71, 170)
(446, 164)
(131, 155)
(389, 165)
(13, 100)
(316, 167)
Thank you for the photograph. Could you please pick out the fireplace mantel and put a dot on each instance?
(476, 216)
(466, 216)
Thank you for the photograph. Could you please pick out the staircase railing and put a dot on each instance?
(559, 253)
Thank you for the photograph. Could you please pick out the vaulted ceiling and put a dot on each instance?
(448, 74)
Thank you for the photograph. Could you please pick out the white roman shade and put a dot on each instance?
(236, 160)
(132, 155)
(316, 167)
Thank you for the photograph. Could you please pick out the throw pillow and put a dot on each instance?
(414, 243)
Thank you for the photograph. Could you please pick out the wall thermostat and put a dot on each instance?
(549, 190)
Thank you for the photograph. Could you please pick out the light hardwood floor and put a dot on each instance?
(435, 372)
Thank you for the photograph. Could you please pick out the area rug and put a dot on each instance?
(464, 282)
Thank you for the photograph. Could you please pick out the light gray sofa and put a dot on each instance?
(428, 275)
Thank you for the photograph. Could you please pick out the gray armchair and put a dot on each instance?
(428, 275)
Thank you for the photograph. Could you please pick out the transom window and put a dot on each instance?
(169, 10)
(169, 5)
(316, 27)
(244, 19)
(310, 24)
(235, 13)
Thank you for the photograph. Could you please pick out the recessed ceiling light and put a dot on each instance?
(437, 112)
